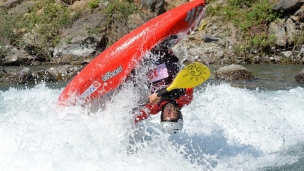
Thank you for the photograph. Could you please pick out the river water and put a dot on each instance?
(244, 125)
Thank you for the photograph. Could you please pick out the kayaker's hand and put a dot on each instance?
(154, 99)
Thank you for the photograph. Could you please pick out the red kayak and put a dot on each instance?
(110, 68)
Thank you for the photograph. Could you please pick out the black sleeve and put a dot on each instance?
(173, 94)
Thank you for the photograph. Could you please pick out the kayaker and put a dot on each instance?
(170, 103)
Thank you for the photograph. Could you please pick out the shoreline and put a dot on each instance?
(266, 76)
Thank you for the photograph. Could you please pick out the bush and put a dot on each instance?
(46, 19)
(10, 31)
(252, 17)
(94, 4)
(121, 9)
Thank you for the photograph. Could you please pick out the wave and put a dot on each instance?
(226, 128)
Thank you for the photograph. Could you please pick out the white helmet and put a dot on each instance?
(172, 127)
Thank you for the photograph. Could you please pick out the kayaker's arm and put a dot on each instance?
(164, 95)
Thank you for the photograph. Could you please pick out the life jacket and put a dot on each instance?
(153, 109)
(165, 70)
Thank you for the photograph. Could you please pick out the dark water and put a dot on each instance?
(269, 77)
(4, 86)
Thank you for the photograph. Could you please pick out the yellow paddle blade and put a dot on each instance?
(191, 76)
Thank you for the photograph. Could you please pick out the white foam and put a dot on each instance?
(225, 127)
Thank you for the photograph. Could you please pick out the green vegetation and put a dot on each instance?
(299, 39)
(114, 10)
(252, 14)
(47, 18)
(240, 3)
(9, 31)
(119, 9)
(262, 40)
(94, 4)
(252, 17)
(42, 25)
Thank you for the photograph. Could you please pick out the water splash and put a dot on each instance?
(226, 128)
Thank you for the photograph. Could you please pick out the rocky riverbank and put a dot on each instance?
(211, 43)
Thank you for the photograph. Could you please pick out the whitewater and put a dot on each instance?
(226, 128)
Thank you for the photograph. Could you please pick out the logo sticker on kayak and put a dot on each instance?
(158, 73)
(112, 74)
(91, 89)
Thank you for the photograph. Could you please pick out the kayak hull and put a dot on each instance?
(111, 67)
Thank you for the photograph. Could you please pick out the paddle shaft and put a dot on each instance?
(191, 76)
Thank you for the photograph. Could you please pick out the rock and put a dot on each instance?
(278, 29)
(79, 5)
(300, 77)
(23, 8)
(300, 14)
(209, 38)
(233, 72)
(91, 33)
(287, 5)
(16, 57)
(27, 79)
(45, 76)
(78, 41)
(68, 2)
(12, 3)
(287, 54)
(10, 78)
(137, 19)
(64, 72)
(156, 6)
(291, 31)
(24, 71)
